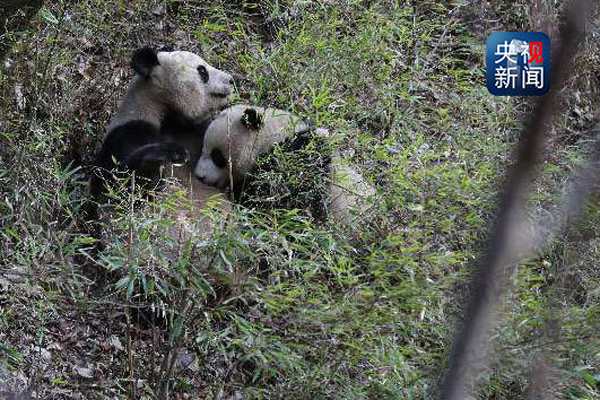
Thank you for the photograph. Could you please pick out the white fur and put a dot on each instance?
(246, 144)
(187, 213)
(210, 174)
(174, 85)
(349, 191)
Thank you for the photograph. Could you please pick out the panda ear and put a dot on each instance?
(144, 60)
(252, 119)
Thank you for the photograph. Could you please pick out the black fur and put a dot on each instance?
(188, 133)
(144, 60)
(218, 158)
(292, 176)
(203, 73)
(134, 146)
(299, 141)
(252, 119)
(151, 156)
(142, 147)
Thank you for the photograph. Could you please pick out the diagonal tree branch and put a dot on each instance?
(544, 377)
(508, 239)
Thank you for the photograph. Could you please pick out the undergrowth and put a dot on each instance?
(269, 303)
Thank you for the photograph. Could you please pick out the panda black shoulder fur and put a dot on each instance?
(161, 119)
(256, 140)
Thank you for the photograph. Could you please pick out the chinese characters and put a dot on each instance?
(518, 63)
(506, 77)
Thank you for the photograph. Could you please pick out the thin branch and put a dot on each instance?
(506, 244)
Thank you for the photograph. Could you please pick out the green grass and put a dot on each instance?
(274, 304)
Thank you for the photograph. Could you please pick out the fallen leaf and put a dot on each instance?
(115, 342)
(84, 372)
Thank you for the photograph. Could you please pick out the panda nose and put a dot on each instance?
(201, 178)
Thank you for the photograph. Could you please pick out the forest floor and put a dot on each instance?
(288, 307)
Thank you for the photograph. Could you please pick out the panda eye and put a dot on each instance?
(218, 158)
(203, 73)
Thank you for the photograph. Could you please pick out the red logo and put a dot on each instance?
(535, 51)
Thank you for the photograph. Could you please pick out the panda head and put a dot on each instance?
(180, 82)
(242, 133)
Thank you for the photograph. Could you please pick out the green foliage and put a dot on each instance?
(9, 355)
(294, 176)
(266, 302)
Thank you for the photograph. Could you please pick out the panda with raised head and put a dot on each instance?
(161, 119)
(244, 146)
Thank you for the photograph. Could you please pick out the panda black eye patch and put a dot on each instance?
(218, 158)
(203, 73)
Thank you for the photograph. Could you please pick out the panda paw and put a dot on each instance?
(155, 154)
(175, 154)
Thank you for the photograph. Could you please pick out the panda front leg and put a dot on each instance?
(151, 157)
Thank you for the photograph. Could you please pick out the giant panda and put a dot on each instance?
(187, 212)
(245, 141)
(162, 117)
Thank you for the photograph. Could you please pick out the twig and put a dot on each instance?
(506, 244)
(130, 357)
(128, 312)
(433, 52)
(543, 376)
(44, 82)
(229, 160)
(415, 37)
(171, 357)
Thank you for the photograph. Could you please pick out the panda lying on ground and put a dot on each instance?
(243, 143)
(161, 119)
